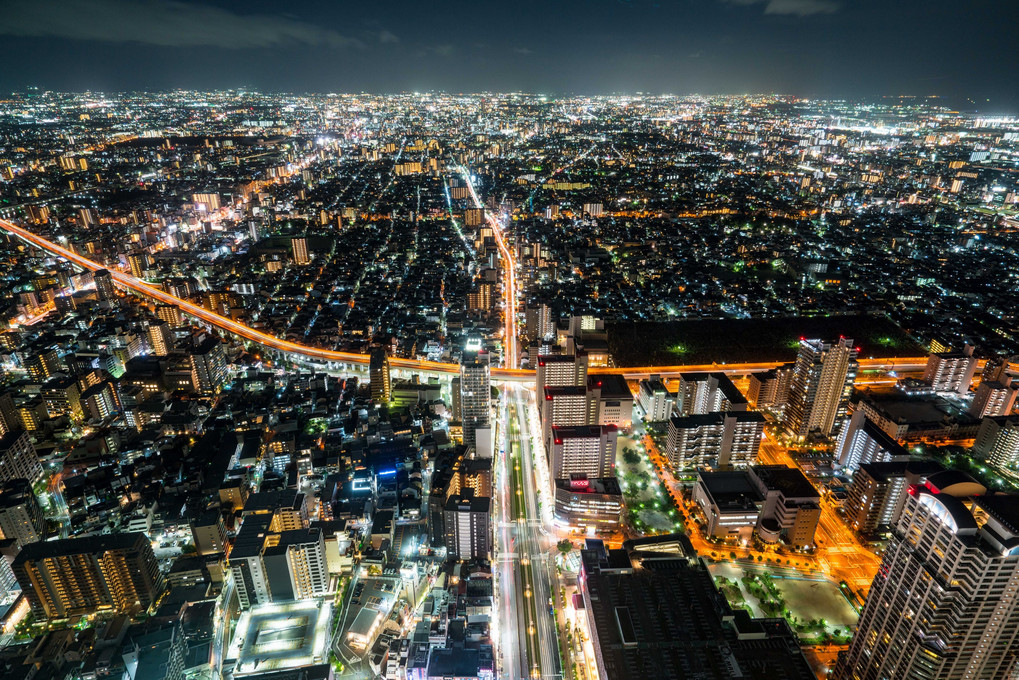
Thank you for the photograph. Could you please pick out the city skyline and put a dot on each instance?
(505, 386)
(804, 48)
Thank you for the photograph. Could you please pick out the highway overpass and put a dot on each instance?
(334, 360)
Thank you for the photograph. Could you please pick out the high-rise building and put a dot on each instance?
(468, 525)
(770, 388)
(951, 372)
(998, 440)
(286, 508)
(475, 391)
(100, 401)
(208, 532)
(483, 297)
(862, 441)
(246, 565)
(62, 397)
(9, 420)
(471, 473)
(716, 440)
(20, 515)
(878, 492)
(996, 370)
(160, 338)
(79, 576)
(299, 246)
(208, 366)
(170, 314)
(565, 406)
(993, 399)
(18, 458)
(295, 564)
(945, 602)
(701, 393)
(820, 387)
(104, 284)
(43, 365)
(138, 263)
(587, 450)
(378, 374)
(610, 401)
(539, 322)
(655, 400)
(561, 370)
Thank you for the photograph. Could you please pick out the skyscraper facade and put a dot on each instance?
(378, 375)
(821, 384)
(475, 392)
(78, 576)
(299, 246)
(945, 602)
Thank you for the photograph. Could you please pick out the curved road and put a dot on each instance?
(272, 342)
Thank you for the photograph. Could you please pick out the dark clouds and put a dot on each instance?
(813, 48)
(164, 23)
(800, 8)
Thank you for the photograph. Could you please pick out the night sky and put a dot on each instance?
(962, 50)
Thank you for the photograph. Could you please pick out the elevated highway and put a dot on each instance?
(337, 359)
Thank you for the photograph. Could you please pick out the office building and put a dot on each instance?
(378, 375)
(791, 508)
(878, 491)
(587, 450)
(610, 401)
(945, 602)
(475, 391)
(18, 458)
(717, 440)
(820, 387)
(731, 503)
(998, 440)
(80, 576)
(20, 515)
(701, 393)
(655, 400)
(208, 532)
(951, 372)
(299, 248)
(589, 505)
(863, 441)
(468, 525)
